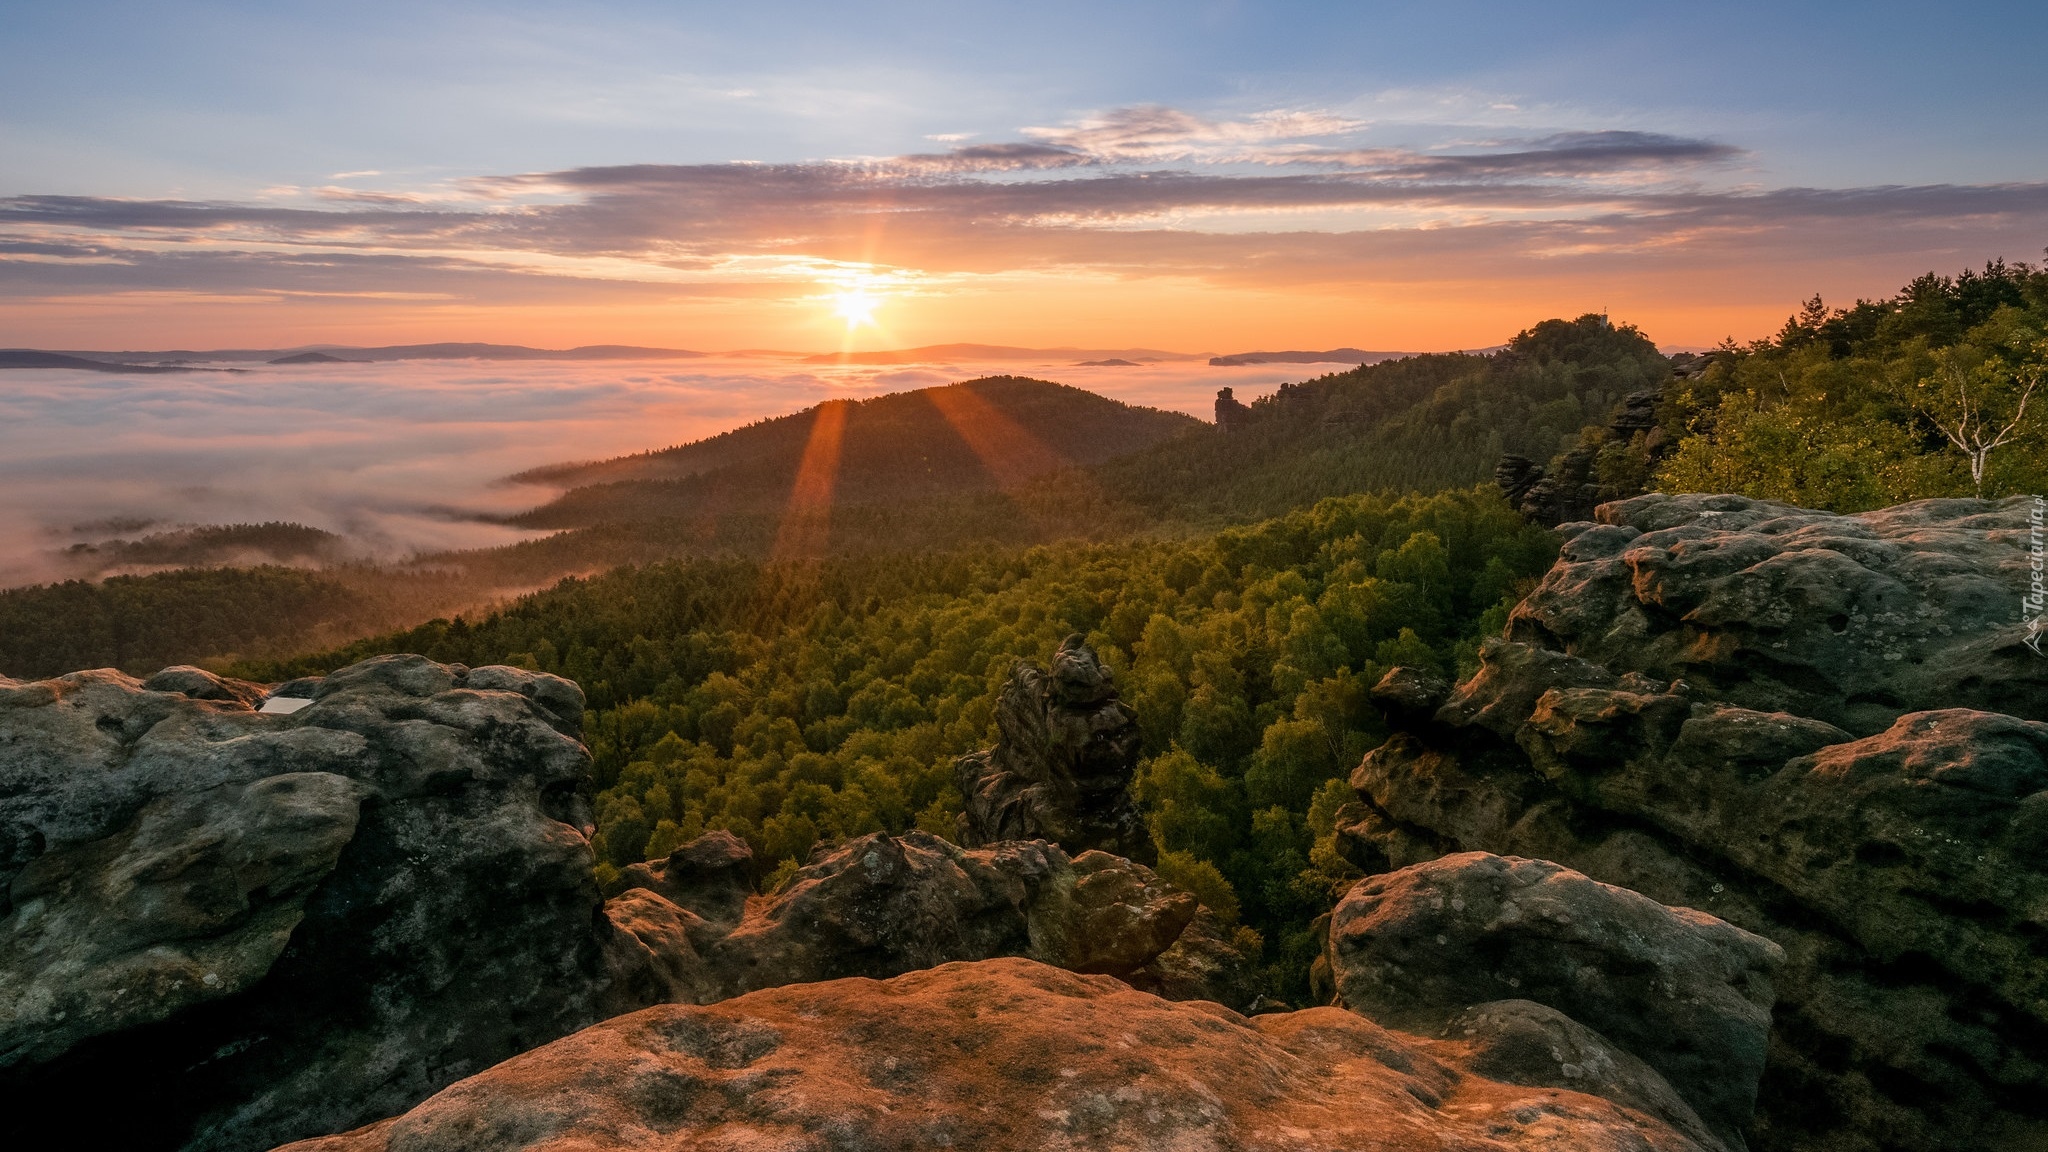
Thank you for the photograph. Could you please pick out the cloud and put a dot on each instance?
(1134, 192)
(990, 158)
(1153, 133)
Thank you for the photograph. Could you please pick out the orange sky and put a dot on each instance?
(1678, 307)
(1083, 237)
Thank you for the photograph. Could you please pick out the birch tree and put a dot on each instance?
(1980, 403)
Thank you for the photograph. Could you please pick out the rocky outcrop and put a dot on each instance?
(1427, 948)
(264, 925)
(881, 906)
(256, 926)
(1568, 489)
(1231, 413)
(1824, 729)
(1012, 1055)
(1062, 769)
(1853, 620)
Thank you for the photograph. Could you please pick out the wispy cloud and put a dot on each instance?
(1289, 195)
(1154, 133)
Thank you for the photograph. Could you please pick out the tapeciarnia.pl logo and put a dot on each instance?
(2035, 601)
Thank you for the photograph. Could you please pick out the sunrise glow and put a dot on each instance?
(1394, 184)
(856, 306)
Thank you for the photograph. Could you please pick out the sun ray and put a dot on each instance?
(1010, 452)
(807, 520)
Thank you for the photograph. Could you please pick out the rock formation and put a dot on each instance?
(882, 905)
(1824, 729)
(1013, 1056)
(263, 926)
(1567, 490)
(1427, 948)
(1063, 766)
(1231, 413)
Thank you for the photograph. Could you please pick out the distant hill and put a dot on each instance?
(514, 352)
(30, 358)
(1417, 424)
(906, 479)
(932, 353)
(208, 546)
(314, 358)
(988, 434)
(1333, 356)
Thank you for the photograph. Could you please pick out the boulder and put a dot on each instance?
(1410, 695)
(1062, 769)
(1826, 730)
(1854, 620)
(882, 905)
(1008, 1055)
(1523, 1042)
(264, 926)
(1688, 994)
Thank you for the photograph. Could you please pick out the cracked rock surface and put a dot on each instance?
(1010, 1055)
(1826, 730)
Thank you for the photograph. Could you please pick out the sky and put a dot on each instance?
(1200, 176)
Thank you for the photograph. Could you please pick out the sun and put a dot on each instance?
(856, 306)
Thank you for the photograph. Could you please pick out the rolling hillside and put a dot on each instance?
(995, 433)
(984, 467)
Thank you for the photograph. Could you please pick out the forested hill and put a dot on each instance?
(992, 464)
(1422, 424)
(1023, 460)
(996, 432)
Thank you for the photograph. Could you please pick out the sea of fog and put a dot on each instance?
(401, 458)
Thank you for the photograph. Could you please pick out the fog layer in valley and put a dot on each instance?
(406, 458)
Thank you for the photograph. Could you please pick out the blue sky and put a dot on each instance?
(333, 106)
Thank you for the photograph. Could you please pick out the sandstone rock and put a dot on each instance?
(883, 905)
(200, 684)
(1523, 1042)
(1410, 694)
(1231, 413)
(1687, 993)
(998, 1056)
(1063, 767)
(1854, 620)
(1514, 476)
(1823, 729)
(268, 925)
(262, 926)
(1202, 964)
(1113, 917)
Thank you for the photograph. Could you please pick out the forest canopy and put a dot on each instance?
(1928, 393)
(803, 703)
(1246, 586)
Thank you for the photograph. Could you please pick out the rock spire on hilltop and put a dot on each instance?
(1231, 413)
(1062, 769)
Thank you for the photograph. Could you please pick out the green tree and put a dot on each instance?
(1979, 401)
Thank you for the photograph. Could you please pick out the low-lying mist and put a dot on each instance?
(400, 459)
